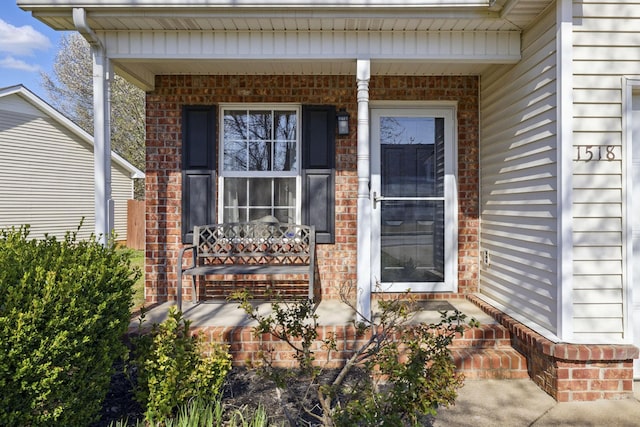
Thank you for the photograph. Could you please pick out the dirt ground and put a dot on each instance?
(244, 389)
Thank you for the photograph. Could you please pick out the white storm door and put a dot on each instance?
(414, 231)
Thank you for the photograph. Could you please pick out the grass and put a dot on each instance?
(137, 260)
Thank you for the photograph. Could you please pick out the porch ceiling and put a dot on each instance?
(290, 67)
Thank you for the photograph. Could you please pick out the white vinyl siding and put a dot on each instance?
(519, 181)
(605, 49)
(47, 175)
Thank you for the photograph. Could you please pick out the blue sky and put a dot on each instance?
(27, 48)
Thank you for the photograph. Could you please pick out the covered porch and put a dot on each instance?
(509, 215)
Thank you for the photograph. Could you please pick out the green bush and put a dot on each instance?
(172, 369)
(64, 307)
(407, 366)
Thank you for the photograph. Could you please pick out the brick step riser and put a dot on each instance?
(490, 357)
(485, 363)
(484, 336)
(485, 352)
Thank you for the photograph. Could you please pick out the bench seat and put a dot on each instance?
(249, 248)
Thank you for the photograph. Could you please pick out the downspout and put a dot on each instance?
(363, 272)
(101, 127)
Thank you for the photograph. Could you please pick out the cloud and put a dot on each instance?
(17, 64)
(21, 41)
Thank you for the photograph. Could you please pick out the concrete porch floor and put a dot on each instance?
(331, 312)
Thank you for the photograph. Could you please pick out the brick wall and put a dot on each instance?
(337, 262)
(570, 372)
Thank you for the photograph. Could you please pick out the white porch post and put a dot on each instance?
(363, 271)
(101, 127)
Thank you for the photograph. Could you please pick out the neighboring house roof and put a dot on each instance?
(41, 105)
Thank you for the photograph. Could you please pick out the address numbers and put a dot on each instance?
(597, 153)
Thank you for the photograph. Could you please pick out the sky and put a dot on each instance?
(27, 48)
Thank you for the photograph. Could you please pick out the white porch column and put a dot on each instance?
(363, 271)
(101, 127)
(102, 143)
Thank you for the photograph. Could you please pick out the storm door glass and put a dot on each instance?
(410, 200)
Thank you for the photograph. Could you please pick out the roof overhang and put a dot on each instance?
(292, 15)
(147, 38)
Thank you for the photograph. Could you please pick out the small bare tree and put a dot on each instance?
(399, 370)
(70, 89)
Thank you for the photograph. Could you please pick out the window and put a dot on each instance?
(260, 167)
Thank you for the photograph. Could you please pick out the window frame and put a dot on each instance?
(297, 173)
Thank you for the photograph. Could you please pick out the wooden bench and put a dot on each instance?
(246, 248)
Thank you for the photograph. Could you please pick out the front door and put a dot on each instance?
(414, 234)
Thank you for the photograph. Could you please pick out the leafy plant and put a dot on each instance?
(64, 307)
(172, 369)
(408, 370)
(208, 413)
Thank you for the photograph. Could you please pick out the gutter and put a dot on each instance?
(101, 127)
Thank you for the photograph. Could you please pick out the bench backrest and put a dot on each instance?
(255, 243)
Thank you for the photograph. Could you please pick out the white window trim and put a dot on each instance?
(222, 174)
(631, 300)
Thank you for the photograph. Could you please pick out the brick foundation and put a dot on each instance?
(480, 353)
(244, 346)
(570, 372)
(336, 262)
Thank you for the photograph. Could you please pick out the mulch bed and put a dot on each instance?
(244, 389)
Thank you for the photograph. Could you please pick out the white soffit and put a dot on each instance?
(265, 15)
(290, 67)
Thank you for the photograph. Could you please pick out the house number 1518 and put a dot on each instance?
(589, 153)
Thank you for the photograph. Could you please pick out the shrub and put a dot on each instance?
(407, 366)
(64, 307)
(172, 369)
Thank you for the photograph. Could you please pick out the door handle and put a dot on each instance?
(376, 199)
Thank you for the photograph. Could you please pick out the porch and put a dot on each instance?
(499, 348)
(223, 313)
(483, 352)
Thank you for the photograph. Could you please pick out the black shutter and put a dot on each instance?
(198, 168)
(318, 170)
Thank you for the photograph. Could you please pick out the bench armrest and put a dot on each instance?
(191, 248)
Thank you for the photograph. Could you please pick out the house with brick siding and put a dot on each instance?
(492, 152)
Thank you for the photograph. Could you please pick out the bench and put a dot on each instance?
(247, 248)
